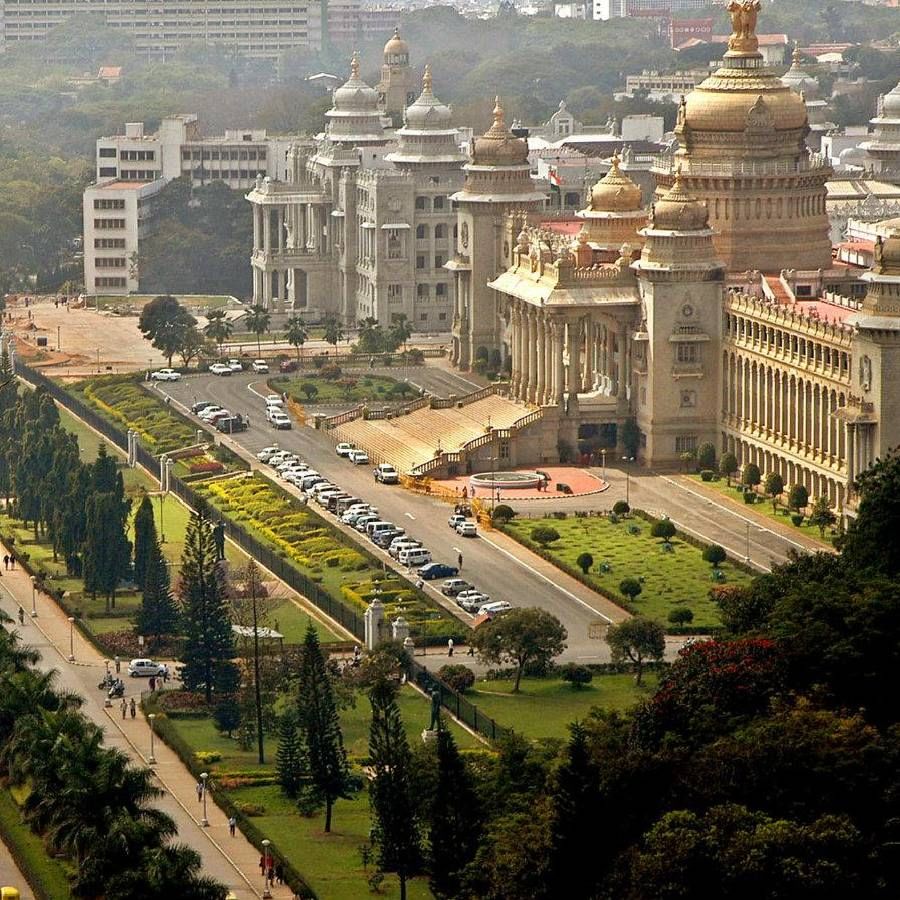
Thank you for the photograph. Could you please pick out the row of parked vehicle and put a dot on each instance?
(275, 414)
(365, 518)
(384, 473)
(223, 420)
(229, 367)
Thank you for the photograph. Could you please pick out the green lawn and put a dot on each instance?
(48, 876)
(670, 579)
(544, 707)
(783, 516)
(214, 301)
(330, 863)
(290, 619)
(363, 387)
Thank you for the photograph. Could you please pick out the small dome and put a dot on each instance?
(355, 95)
(396, 46)
(887, 254)
(615, 192)
(427, 112)
(498, 146)
(890, 104)
(679, 211)
(798, 79)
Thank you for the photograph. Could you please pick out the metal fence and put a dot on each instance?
(452, 700)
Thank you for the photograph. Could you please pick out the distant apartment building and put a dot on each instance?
(117, 214)
(663, 87)
(132, 168)
(262, 28)
(620, 9)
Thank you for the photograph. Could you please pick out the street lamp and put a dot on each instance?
(71, 639)
(603, 458)
(34, 596)
(204, 821)
(152, 759)
(626, 460)
(266, 892)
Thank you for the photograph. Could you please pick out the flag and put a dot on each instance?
(553, 177)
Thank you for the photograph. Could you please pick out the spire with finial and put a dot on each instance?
(795, 56)
(426, 79)
(498, 113)
(354, 65)
(396, 31)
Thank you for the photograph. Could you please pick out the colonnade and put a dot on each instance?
(785, 422)
(554, 354)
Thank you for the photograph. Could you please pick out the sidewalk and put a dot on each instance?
(234, 861)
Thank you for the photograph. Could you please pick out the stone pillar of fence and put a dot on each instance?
(374, 621)
(169, 464)
(400, 629)
(162, 471)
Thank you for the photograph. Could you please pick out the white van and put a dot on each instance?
(378, 527)
(415, 556)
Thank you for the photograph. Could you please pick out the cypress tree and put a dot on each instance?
(395, 829)
(576, 800)
(320, 727)
(158, 613)
(107, 551)
(455, 819)
(289, 757)
(144, 539)
(209, 641)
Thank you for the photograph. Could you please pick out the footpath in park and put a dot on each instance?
(232, 860)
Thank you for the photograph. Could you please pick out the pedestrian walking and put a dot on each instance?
(5, 560)
(21, 616)
(470, 651)
(459, 561)
(133, 707)
(152, 683)
(232, 825)
(279, 873)
(12, 561)
(199, 790)
(124, 708)
(449, 646)
(271, 873)
(165, 674)
(262, 865)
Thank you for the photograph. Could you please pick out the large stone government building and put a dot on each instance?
(717, 312)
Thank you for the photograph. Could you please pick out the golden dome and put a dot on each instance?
(396, 46)
(887, 253)
(677, 210)
(615, 192)
(498, 146)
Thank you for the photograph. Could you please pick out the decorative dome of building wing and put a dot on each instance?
(615, 192)
(890, 104)
(798, 79)
(498, 146)
(677, 210)
(355, 96)
(427, 112)
(396, 50)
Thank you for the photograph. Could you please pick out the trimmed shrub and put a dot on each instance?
(749, 497)
(681, 616)
(576, 675)
(706, 455)
(584, 562)
(750, 475)
(797, 519)
(621, 508)
(707, 475)
(460, 678)
(544, 535)
(503, 513)
(630, 587)
(715, 555)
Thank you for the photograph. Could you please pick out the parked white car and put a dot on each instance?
(267, 453)
(344, 449)
(219, 369)
(274, 400)
(386, 474)
(144, 668)
(260, 366)
(358, 457)
(472, 600)
(495, 608)
(467, 529)
(280, 420)
(209, 412)
(165, 375)
(235, 365)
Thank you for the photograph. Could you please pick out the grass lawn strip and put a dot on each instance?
(350, 388)
(763, 507)
(46, 875)
(331, 864)
(669, 579)
(544, 707)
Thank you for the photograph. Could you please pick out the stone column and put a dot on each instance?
(530, 390)
(622, 380)
(559, 375)
(257, 227)
(540, 380)
(587, 353)
(267, 230)
(517, 344)
(576, 374)
(279, 218)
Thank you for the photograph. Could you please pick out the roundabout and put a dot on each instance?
(502, 481)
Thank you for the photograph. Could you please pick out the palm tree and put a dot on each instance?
(401, 330)
(334, 331)
(296, 333)
(258, 319)
(370, 337)
(218, 328)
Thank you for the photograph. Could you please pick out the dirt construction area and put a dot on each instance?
(79, 342)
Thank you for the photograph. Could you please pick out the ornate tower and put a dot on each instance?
(397, 88)
(742, 135)
(676, 349)
(498, 182)
(884, 147)
(799, 80)
(614, 215)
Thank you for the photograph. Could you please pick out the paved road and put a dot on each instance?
(494, 563)
(233, 861)
(10, 876)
